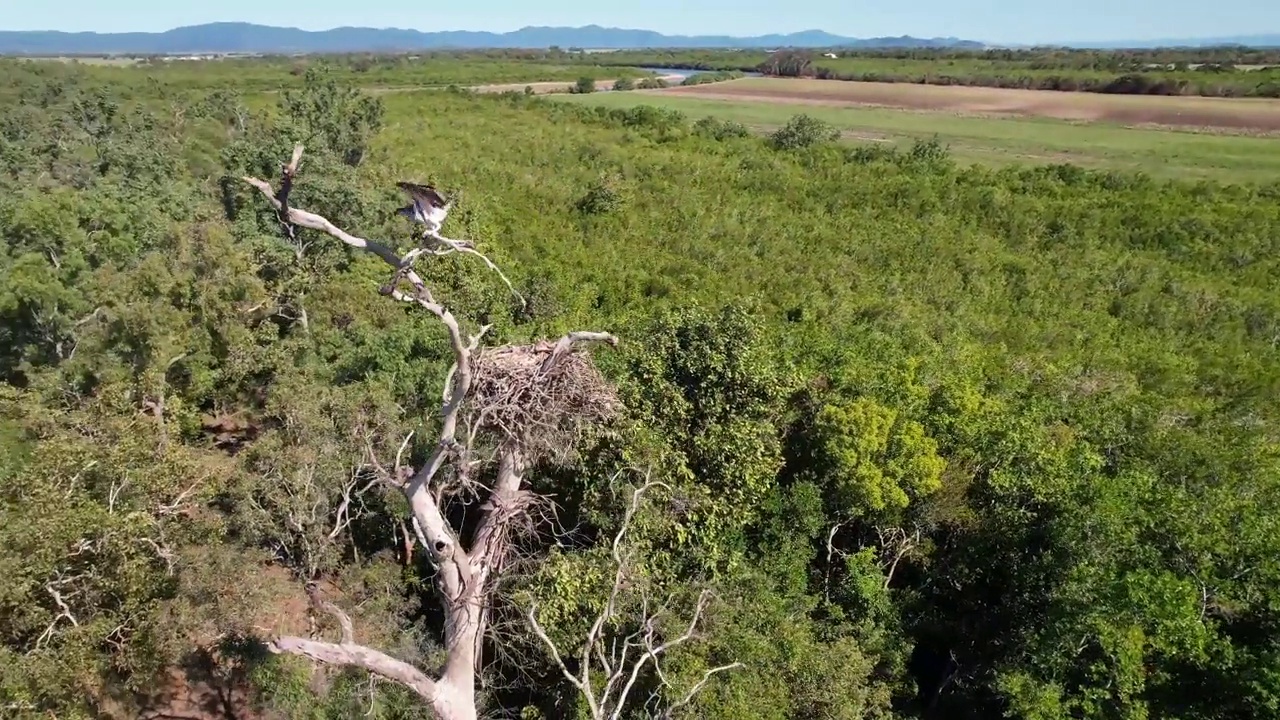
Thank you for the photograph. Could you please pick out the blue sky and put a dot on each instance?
(990, 20)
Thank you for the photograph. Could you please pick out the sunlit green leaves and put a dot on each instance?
(877, 461)
(335, 117)
(704, 381)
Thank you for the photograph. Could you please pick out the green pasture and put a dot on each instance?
(1001, 141)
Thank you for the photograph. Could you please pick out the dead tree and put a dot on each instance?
(619, 660)
(514, 404)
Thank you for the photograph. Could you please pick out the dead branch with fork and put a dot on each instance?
(621, 660)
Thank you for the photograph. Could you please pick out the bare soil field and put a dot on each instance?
(1239, 114)
(541, 88)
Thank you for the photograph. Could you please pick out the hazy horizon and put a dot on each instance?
(992, 21)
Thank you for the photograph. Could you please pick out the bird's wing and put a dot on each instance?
(424, 194)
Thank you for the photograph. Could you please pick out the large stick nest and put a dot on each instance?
(545, 410)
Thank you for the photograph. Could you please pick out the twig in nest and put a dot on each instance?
(539, 395)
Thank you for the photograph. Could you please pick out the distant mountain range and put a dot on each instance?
(1253, 41)
(236, 37)
(250, 38)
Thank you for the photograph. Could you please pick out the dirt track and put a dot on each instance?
(1253, 114)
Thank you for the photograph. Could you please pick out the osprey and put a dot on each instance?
(429, 207)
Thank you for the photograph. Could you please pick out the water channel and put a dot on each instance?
(683, 73)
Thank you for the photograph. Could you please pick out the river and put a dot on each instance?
(683, 73)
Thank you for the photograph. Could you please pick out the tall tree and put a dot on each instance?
(514, 404)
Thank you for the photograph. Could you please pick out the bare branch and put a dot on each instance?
(313, 221)
(555, 654)
(163, 552)
(114, 494)
(400, 458)
(347, 653)
(654, 653)
(344, 620)
(318, 222)
(55, 588)
(342, 516)
(91, 316)
(611, 655)
(669, 713)
(831, 553)
(83, 545)
(75, 479)
(407, 544)
(291, 169)
(471, 346)
(352, 655)
(176, 506)
(898, 543)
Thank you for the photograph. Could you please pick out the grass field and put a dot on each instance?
(986, 139)
(1245, 115)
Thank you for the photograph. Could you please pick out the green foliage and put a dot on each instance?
(929, 152)
(803, 131)
(705, 384)
(331, 117)
(1232, 71)
(707, 78)
(791, 671)
(717, 129)
(100, 552)
(423, 69)
(879, 460)
(603, 196)
(583, 86)
(945, 441)
(651, 83)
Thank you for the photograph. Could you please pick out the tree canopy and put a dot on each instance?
(933, 441)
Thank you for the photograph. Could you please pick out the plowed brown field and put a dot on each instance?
(1239, 114)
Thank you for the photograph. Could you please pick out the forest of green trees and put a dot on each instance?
(917, 440)
(1212, 72)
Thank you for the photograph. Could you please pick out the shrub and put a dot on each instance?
(710, 77)
(802, 131)
(929, 152)
(718, 129)
(601, 198)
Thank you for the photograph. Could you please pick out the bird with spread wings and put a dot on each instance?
(429, 207)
